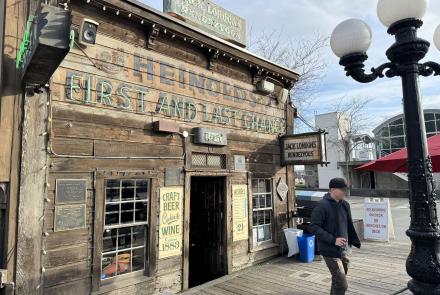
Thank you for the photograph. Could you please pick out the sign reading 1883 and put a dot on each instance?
(210, 16)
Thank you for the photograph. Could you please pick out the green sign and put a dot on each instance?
(25, 45)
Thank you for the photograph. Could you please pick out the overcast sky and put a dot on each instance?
(298, 19)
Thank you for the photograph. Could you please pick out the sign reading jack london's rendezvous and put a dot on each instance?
(206, 14)
(300, 149)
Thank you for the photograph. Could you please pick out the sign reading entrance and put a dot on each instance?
(303, 149)
(170, 221)
(378, 224)
(210, 136)
(239, 213)
(207, 15)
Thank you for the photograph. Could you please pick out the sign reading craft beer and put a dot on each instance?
(170, 221)
(303, 149)
(205, 14)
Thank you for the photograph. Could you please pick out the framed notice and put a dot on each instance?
(378, 223)
(240, 213)
(304, 149)
(70, 191)
(69, 217)
(170, 221)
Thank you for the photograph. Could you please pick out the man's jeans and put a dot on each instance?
(338, 268)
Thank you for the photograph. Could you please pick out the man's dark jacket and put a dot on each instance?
(325, 226)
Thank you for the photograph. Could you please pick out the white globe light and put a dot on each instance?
(437, 37)
(391, 11)
(350, 36)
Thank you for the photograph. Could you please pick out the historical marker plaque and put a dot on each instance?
(71, 191)
(68, 217)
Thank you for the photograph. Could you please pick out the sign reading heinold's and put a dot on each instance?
(306, 148)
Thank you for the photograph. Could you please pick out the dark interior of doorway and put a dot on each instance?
(207, 252)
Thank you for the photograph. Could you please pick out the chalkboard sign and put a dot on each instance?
(71, 191)
(69, 217)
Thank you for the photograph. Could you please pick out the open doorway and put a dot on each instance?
(207, 241)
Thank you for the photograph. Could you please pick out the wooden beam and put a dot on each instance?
(33, 190)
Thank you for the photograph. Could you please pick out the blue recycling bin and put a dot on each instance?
(306, 245)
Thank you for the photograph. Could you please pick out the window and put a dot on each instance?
(262, 210)
(205, 160)
(124, 240)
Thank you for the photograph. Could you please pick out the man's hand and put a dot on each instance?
(340, 242)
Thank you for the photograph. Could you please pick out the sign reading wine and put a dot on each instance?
(170, 221)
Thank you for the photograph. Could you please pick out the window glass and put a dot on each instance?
(125, 229)
(396, 130)
(262, 210)
(430, 126)
(429, 117)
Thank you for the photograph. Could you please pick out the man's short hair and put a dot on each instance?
(338, 183)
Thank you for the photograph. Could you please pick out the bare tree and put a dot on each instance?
(304, 56)
(352, 123)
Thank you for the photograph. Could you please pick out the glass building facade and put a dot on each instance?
(390, 135)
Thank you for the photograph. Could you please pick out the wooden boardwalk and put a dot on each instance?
(376, 269)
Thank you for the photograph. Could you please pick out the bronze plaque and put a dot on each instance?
(71, 191)
(173, 177)
(68, 217)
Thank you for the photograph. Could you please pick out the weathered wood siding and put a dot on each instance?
(108, 111)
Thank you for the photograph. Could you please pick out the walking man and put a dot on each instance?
(333, 226)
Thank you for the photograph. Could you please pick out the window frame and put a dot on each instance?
(254, 243)
(99, 227)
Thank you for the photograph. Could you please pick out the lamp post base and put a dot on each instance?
(419, 288)
(423, 263)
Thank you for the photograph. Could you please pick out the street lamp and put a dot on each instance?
(350, 41)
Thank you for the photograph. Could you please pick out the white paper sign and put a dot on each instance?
(378, 224)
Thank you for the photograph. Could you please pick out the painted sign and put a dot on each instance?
(210, 137)
(89, 90)
(70, 191)
(300, 149)
(378, 224)
(68, 217)
(240, 213)
(170, 221)
(211, 17)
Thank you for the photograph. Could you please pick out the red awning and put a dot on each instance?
(397, 161)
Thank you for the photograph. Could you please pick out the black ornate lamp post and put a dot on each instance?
(350, 41)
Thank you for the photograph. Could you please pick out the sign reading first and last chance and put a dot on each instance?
(301, 149)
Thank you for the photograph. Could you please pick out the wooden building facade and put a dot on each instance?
(151, 161)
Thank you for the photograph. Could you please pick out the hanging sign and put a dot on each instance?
(303, 149)
(240, 213)
(378, 223)
(170, 221)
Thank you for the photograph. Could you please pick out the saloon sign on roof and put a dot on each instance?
(207, 15)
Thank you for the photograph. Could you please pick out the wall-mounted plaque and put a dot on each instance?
(173, 176)
(304, 149)
(70, 191)
(210, 136)
(68, 217)
(239, 163)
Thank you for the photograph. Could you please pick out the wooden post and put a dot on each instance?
(34, 167)
(290, 115)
